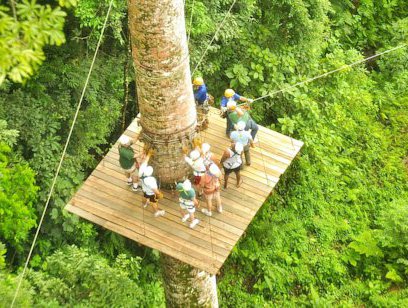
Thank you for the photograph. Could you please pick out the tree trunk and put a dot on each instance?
(165, 95)
(168, 120)
(187, 286)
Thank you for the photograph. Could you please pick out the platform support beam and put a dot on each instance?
(187, 286)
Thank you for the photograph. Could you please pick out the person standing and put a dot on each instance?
(236, 114)
(230, 95)
(151, 193)
(242, 136)
(188, 202)
(128, 161)
(210, 183)
(196, 162)
(201, 98)
(231, 161)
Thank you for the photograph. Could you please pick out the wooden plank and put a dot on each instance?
(105, 199)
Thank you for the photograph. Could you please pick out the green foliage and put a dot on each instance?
(76, 277)
(17, 195)
(24, 35)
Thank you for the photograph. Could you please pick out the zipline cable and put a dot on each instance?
(219, 27)
(327, 73)
(63, 155)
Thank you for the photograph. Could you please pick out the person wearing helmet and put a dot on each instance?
(208, 157)
(188, 202)
(201, 98)
(196, 162)
(230, 95)
(151, 193)
(128, 161)
(242, 136)
(210, 183)
(231, 161)
(236, 114)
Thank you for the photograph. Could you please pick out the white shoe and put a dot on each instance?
(185, 217)
(159, 213)
(146, 205)
(206, 212)
(129, 182)
(219, 209)
(194, 223)
(135, 188)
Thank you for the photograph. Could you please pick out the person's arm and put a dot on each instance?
(158, 193)
(251, 141)
(239, 112)
(245, 99)
(215, 160)
(225, 155)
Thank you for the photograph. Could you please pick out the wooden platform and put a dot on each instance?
(106, 200)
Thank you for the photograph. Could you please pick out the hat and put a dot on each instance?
(124, 140)
(148, 171)
(194, 155)
(198, 81)
(187, 185)
(231, 104)
(239, 147)
(240, 125)
(214, 170)
(205, 147)
(229, 93)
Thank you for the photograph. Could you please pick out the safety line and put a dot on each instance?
(191, 22)
(213, 38)
(328, 73)
(63, 155)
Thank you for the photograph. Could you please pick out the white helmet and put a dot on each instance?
(214, 170)
(239, 147)
(186, 185)
(231, 104)
(148, 171)
(124, 140)
(194, 155)
(205, 147)
(240, 125)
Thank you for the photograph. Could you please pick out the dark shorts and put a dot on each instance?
(228, 171)
(151, 198)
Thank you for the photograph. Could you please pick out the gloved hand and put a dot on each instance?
(250, 100)
(159, 195)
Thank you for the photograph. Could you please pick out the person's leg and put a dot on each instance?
(155, 205)
(128, 178)
(247, 155)
(217, 197)
(194, 221)
(251, 125)
(208, 199)
(145, 202)
(184, 214)
(238, 175)
(229, 126)
(226, 175)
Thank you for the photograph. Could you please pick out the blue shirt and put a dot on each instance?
(200, 95)
(224, 100)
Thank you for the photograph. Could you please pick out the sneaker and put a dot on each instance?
(219, 209)
(194, 223)
(135, 188)
(145, 205)
(129, 182)
(206, 212)
(159, 213)
(185, 217)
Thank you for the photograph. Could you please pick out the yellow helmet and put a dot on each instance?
(198, 81)
(229, 93)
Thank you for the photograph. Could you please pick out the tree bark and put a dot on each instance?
(165, 95)
(168, 120)
(187, 286)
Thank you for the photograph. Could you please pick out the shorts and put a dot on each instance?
(228, 171)
(151, 198)
(215, 194)
(188, 207)
(131, 170)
